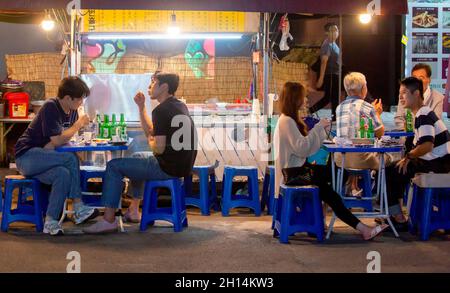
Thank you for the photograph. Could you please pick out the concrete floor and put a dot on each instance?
(239, 243)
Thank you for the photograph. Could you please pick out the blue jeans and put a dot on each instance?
(60, 170)
(139, 168)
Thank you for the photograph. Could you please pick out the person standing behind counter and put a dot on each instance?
(328, 79)
(432, 98)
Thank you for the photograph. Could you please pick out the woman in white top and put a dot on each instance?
(293, 144)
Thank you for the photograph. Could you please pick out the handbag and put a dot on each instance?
(316, 65)
(298, 176)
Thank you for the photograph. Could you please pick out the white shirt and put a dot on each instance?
(292, 148)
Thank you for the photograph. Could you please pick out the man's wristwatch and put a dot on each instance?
(408, 155)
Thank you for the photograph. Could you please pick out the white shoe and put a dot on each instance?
(53, 228)
(83, 213)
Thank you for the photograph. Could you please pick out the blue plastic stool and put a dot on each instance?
(365, 201)
(430, 211)
(287, 220)
(29, 211)
(175, 215)
(250, 200)
(85, 175)
(268, 192)
(208, 191)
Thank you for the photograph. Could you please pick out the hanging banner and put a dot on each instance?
(155, 21)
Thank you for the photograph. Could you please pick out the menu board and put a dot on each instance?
(158, 21)
(428, 32)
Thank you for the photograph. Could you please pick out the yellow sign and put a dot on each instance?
(404, 40)
(159, 20)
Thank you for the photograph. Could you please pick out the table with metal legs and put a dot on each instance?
(89, 148)
(381, 183)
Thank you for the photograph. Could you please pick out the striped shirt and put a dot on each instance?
(428, 127)
(360, 107)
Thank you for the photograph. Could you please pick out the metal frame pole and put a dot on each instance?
(266, 29)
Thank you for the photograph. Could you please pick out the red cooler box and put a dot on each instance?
(17, 104)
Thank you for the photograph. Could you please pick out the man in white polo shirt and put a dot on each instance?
(431, 98)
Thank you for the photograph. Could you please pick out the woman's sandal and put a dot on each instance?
(376, 231)
(127, 218)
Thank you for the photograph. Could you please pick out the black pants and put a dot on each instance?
(322, 178)
(331, 89)
(396, 182)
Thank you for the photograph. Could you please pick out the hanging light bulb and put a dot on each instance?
(47, 23)
(173, 29)
(365, 18)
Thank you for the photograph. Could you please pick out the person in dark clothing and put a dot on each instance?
(172, 137)
(328, 80)
(53, 126)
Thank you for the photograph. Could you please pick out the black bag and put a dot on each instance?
(298, 176)
(316, 65)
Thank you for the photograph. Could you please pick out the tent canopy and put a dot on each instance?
(289, 6)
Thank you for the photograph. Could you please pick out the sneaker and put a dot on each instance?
(83, 213)
(53, 228)
(102, 227)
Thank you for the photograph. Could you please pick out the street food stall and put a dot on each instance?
(226, 81)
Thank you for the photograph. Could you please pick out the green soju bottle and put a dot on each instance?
(362, 126)
(409, 121)
(370, 131)
(106, 127)
(113, 127)
(123, 128)
(97, 131)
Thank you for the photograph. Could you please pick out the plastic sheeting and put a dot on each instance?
(114, 93)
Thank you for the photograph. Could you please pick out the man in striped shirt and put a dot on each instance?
(431, 150)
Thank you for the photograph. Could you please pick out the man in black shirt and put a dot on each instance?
(172, 138)
(53, 126)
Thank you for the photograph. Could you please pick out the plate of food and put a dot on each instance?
(100, 141)
(363, 141)
(121, 142)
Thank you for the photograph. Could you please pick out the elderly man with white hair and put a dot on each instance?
(355, 85)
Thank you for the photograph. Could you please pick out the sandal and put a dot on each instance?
(129, 219)
(376, 231)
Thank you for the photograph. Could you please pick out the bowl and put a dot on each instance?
(221, 105)
(36, 106)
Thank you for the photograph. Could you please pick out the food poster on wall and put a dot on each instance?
(446, 17)
(424, 43)
(428, 32)
(425, 17)
(444, 68)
